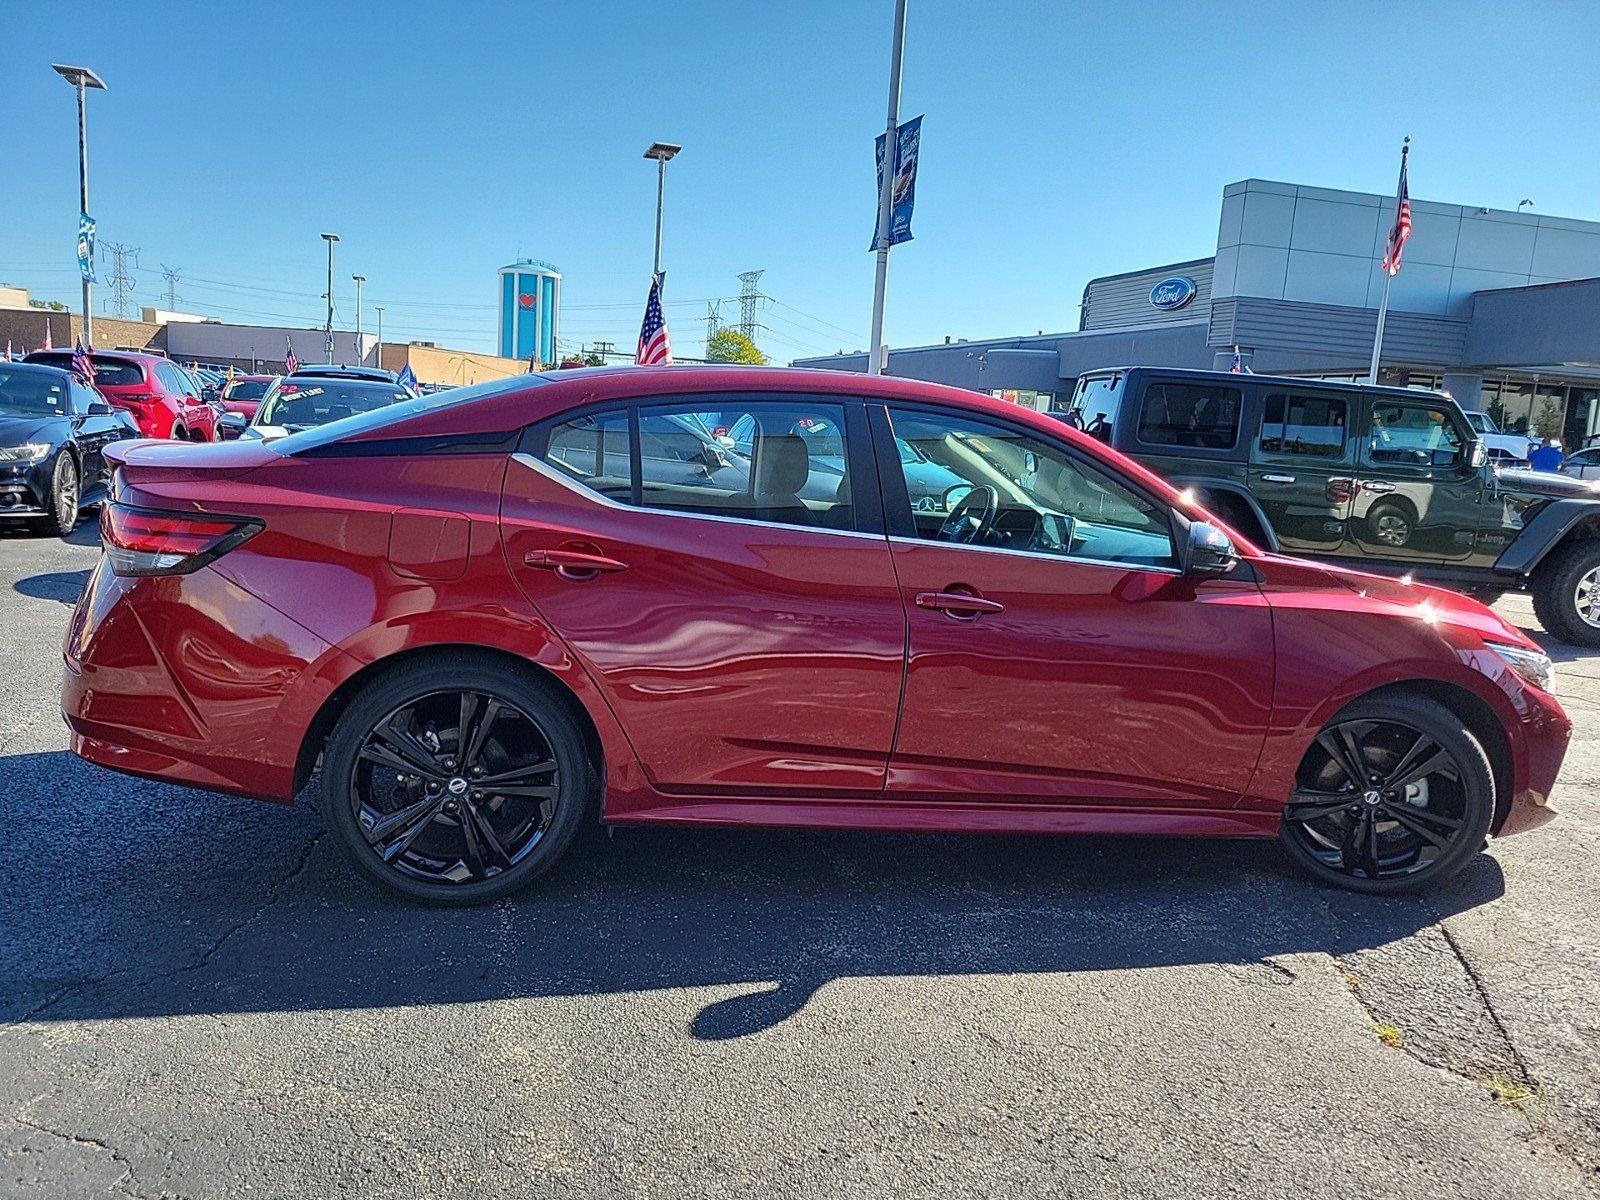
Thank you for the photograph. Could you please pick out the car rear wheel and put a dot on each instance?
(1566, 593)
(62, 505)
(179, 434)
(1392, 795)
(455, 782)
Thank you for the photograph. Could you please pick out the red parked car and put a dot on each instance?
(243, 395)
(493, 614)
(161, 396)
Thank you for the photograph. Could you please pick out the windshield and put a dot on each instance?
(1482, 423)
(305, 403)
(249, 389)
(32, 393)
(393, 413)
(1094, 405)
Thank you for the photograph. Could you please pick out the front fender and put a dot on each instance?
(1552, 525)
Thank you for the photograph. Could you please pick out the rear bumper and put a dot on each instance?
(188, 679)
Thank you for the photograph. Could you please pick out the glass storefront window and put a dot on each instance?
(1581, 410)
(1513, 408)
(1548, 403)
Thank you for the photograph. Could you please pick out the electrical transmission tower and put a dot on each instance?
(121, 279)
(713, 320)
(749, 297)
(170, 274)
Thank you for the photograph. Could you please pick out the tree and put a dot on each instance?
(48, 305)
(1547, 421)
(730, 346)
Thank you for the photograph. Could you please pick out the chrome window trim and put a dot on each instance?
(588, 493)
(1037, 555)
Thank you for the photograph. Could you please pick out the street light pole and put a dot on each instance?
(880, 281)
(81, 78)
(361, 353)
(327, 337)
(378, 362)
(663, 153)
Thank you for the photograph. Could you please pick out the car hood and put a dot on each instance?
(1546, 483)
(18, 428)
(1395, 596)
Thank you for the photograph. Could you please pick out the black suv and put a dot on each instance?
(1385, 479)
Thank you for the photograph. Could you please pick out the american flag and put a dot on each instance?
(291, 364)
(1402, 219)
(81, 363)
(655, 347)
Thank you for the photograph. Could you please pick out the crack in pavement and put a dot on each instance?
(124, 1183)
(274, 891)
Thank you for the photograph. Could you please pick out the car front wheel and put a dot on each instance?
(455, 782)
(1392, 795)
(1566, 593)
(62, 505)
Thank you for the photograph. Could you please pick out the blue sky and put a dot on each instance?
(1062, 141)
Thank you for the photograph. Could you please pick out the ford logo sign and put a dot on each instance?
(1172, 293)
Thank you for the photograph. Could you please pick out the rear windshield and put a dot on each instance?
(249, 389)
(108, 372)
(394, 414)
(1094, 405)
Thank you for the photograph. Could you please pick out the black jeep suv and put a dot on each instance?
(1385, 479)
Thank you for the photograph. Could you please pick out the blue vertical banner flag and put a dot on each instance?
(86, 246)
(908, 144)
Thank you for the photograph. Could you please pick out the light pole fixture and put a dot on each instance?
(378, 358)
(82, 78)
(663, 153)
(327, 336)
(877, 358)
(361, 353)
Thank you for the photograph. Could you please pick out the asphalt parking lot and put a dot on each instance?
(198, 998)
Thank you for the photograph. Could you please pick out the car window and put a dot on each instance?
(1094, 405)
(1312, 426)
(1413, 435)
(1015, 491)
(787, 462)
(593, 449)
(1190, 414)
(305, 403)
(392, 417)
(245, 389)
(32, 392)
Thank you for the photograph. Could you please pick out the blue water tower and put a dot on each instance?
(530, 310)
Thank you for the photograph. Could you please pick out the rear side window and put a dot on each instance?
(108, 372)
(1201, 416)
(783, 462)
(1312, 426)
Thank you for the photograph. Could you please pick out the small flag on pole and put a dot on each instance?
(291, 364)
(1240, 367)
(408, 378)
(82, 365)
(48, 344)
(655, 347)
(1402, 218)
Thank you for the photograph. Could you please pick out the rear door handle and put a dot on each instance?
(1277, 479)
(958, 604)
(1376, 485)
(573, 564)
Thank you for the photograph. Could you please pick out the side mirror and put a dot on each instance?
(1477, 454)
(231, 424)
(1208, 552)
(99, 408)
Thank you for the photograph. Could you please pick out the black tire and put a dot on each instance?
(352, 791)
(179, 434)
(1555, 588)
(1391, 522)
(65, 496)
(1457, 799)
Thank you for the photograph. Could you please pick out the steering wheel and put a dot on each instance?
(972, 516)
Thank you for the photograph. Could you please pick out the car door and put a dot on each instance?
(749, 639)
(197, 413)
(1418, 497)
(1302, 468)
(1059, 656)
(92, 430)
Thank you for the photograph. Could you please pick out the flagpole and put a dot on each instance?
(880, 282)
(1383, 302)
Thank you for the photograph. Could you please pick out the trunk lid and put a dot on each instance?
(148, 461)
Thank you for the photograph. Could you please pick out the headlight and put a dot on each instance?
(1532, 665)
(29, 452)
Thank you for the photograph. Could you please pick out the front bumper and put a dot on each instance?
(1546, 730)
(25, 488)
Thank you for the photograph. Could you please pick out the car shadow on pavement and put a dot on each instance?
(128, 898)
(65, 586)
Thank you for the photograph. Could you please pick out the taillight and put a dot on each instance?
(140, 542)
(139, 397)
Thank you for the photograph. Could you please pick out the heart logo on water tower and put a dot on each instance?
(525, 299)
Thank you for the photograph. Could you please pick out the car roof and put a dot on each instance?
(1199, 376)
(337, 370)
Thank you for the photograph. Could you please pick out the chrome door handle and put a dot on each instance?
(959, 604)
(575, 565)
(1277, 479)
(1375, 485)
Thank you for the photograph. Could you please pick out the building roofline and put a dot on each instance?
(1188, 262)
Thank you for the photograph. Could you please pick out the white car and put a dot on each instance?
(1501, 446)
(1585, 464)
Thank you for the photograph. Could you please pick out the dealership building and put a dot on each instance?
(1501, 309)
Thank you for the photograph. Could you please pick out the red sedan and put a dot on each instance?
(484, 617)
(243, 395)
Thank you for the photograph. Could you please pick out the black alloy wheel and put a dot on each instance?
(455, 785)
(1392, 794)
